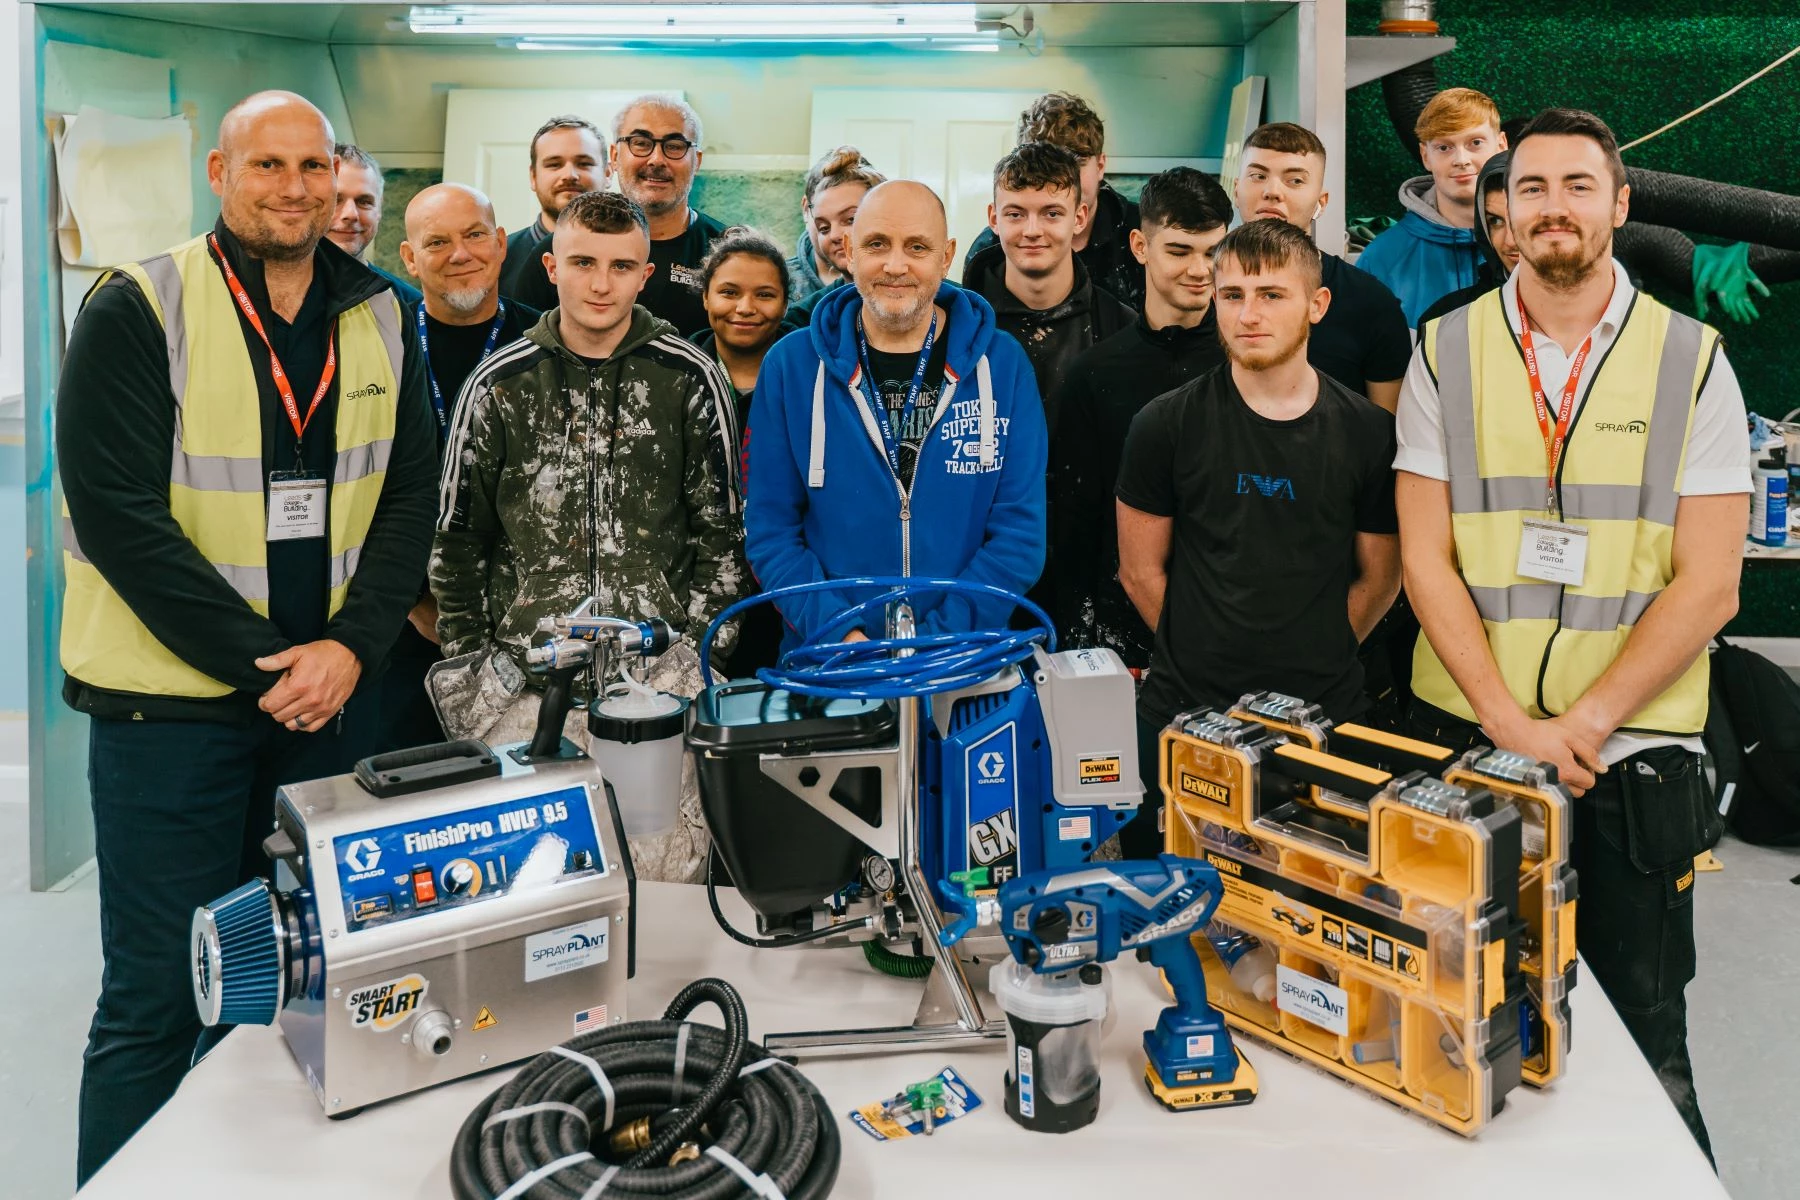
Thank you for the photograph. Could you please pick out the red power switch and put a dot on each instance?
(424, 886)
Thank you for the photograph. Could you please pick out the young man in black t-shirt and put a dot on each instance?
(1184, 214)
(1256, 511)
(568, 157)
(1363, 340)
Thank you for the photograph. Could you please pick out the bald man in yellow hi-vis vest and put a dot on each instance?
(1573, 495)
(250, 468)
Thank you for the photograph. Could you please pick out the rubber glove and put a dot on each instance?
(1724, 272)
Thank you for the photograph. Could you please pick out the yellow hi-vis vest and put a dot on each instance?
(1620, 479)
(217, 476)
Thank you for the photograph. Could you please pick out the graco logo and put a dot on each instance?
(1621, 427)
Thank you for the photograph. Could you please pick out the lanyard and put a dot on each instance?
(282, 386)
(888, 439)
(487, 348)
(1557, 435)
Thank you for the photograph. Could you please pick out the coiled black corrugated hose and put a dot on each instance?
(772, 1122)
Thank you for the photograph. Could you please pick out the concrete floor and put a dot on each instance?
(1745, 1067)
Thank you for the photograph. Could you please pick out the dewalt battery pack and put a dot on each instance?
(1390, 899)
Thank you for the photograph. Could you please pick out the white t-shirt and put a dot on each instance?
(1718, 449)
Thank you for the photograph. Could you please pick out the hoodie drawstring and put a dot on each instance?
(984, 396)
(815, 463)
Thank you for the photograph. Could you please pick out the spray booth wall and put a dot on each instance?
(1638, 64)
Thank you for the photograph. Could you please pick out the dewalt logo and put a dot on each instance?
(1226, 865)
(1100, 769)
(1206, 789)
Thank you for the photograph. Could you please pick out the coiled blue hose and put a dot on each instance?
(871, 670)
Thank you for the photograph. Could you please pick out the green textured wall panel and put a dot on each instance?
(1638, 64)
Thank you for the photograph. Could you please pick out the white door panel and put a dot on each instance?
(947, 140)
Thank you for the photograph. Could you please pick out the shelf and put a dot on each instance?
(1755, 550)
(1369, 58)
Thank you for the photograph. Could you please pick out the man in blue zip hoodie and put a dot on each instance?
(1433, 251)
(900, 434)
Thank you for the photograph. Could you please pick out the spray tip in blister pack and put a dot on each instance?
(919, 1109)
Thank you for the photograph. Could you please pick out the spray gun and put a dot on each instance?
(1061, 927)
(577, 642)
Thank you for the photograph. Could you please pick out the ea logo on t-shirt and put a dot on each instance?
(1273, 487)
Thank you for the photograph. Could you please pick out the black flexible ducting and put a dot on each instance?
(1775, 266)
(779, 941)
(1407, 92)
(1664, 257)
(1660, 256)
(1723, 210)
(773, 1121)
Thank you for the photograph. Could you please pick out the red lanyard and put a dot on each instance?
(282, 385)
(1555, 436)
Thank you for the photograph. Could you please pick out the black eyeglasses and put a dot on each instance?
(674, 146)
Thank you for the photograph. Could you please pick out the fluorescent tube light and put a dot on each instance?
(734, 22)
(592, 44)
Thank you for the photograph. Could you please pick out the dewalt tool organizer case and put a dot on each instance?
(1420, 907)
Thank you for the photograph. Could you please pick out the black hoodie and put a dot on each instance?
(1107, 256)
(1052, 337)
(1106, 388)
(1492, 272)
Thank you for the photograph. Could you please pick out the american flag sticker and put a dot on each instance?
(590, 1018)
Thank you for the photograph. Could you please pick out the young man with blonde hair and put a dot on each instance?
(1433, 251)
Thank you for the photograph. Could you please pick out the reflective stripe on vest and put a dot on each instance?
(217, 474)
(1620, 480)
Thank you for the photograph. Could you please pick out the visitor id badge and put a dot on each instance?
(1553, 552)
(296, 507)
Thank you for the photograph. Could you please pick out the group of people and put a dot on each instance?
(314, 511)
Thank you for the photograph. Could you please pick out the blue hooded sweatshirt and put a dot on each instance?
(1423, 258)
(823, 503)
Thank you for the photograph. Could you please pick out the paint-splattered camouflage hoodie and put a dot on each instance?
(564, 478)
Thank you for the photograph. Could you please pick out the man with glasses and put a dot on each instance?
(656, 154)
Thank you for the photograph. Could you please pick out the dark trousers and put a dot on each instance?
(180, 812)
(1633, 841)
(407, 717)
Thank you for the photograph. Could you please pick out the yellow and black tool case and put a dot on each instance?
(1390, 904)
(1547, 883)
(1547, 894)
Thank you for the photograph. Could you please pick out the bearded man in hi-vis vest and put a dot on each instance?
(1572, 491)
(249, 464)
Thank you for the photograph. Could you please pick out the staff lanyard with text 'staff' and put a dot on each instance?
(889, 441)
(487, 348)
(1556, 436)
(282, 385)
